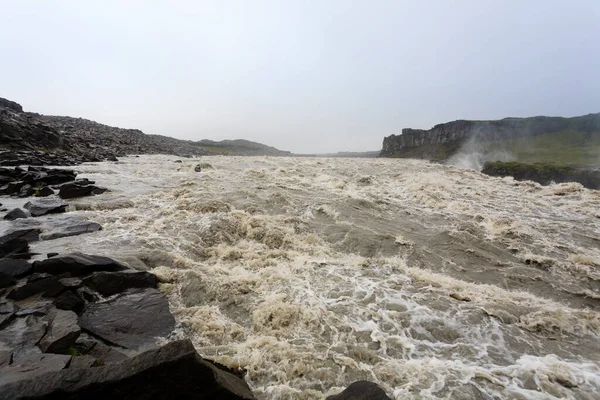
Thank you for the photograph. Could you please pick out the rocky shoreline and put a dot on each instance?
(87, 326)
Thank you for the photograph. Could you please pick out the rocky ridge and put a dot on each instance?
(444, 140)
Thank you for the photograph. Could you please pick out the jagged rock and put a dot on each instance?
(109, 283)
(62, 332)
(77, 264)
(69, 301)
(26, 191)
(5, 358)
(361, 390)
(50, 287)
(7, 311)
(132, 320)
(40, 309)
(30, 235)
(71, 283)
(174, 371)
(36, 276)
(44, 192)
(14, 268)
(101, 352)
(12, 105)
(22, 334)
(87, 294)
(6, 280)
(15, 248)
(15, 213)
(12, 187)
(45, 206)
(30, 367)
(73, 230)
(83, 362)
(71, 190)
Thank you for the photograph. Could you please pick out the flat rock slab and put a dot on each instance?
(62, 332)
(5, 358)
(174, 371)
(50, 287)
(109, 283)
(77, 264)
(361, 390)
(73, 230)
(41, 207)
(132, 320)
(22, 334)
(101, 352)
(30, 235)
(76, 189)
(83, 362)
(31, 367)
(15, 268)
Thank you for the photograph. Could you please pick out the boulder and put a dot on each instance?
(41, 207)
(15, 248)
(109, 283)
(44, 192)
(30, 235)
(71, 190)
(15, 268)
(26, 191)
(197, 168)
(77, 264)
(174, 371)
(73, 230)
(30, 367)
(15, 213)
(62, 332)
(132, 320)
(12, 187)
(50, 287)
(361, 390)
(69, 301)
(7, 311)
(6, 280)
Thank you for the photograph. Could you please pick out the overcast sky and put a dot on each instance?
(305, 76)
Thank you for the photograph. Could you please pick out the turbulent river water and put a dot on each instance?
(310, 274)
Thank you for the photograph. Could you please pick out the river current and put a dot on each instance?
(433, 281)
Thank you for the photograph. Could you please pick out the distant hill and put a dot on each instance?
(239, 147)
(573, 141)
(80, 139)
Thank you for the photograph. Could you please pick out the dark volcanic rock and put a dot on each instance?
(543, 173)
(62, 332)
(69, 301)
(132, 320)
(73, 230)
(83, 362)
(26, 191)
(14, 268)
(174, 371)
(44, 191)
(50, 287)
(22, 334)
(361, 390)
(12, 105)
(5, 358)
(109, 283)
(71, 190)
(77, 264)
(15, 248)
(30, 235)
(101, 352)
(6, 280)
(45, 206)
(31, 367)
(15, 213)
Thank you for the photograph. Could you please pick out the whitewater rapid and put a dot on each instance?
(311, 273)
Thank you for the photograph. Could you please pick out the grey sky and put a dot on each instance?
(305, 76)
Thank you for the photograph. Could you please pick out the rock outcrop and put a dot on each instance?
(33, 139)
(442, 141)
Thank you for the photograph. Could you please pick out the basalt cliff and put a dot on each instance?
(524, 137)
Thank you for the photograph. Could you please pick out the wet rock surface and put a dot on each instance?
(171, 372)
(77, 264)
(361, 390)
